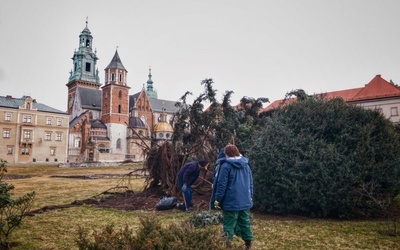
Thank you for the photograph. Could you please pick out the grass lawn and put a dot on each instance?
(57, 229)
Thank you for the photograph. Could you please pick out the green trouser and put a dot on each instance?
(238, 222)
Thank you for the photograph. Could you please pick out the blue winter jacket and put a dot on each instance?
(188, 173)
(234, 187)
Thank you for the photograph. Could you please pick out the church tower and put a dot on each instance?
(115, 104)
(151, 93)
(84, 73)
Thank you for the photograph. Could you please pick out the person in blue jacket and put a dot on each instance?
(234, 194)
(187, 175)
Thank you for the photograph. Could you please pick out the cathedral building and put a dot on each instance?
(107, 124)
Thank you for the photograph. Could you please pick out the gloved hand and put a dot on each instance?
(184, 187)
(216, 205)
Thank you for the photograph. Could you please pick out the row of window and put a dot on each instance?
(28, 119)
(27, 151)
(28, 134)
(113, 77)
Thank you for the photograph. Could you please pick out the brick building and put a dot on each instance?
(107, 123)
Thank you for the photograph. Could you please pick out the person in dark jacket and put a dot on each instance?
(234, 194)
(217, 166)
(186, 177)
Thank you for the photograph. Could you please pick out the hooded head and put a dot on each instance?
(221, 153)
(231, 151)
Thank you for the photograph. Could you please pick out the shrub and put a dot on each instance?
(151, 235)
(12, 210)
(318, 158)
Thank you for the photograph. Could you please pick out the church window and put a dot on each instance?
(112, 77)
(7, 118)
(120, 77)
(77, 142)
(28, 105)
(119, 108)
(74, 67)
(167, 135)
(87, 43)
(87, 67)
(91, 115)
(120, 94)
(119, 144)
(160, 135)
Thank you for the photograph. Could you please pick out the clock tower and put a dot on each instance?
(84, 72)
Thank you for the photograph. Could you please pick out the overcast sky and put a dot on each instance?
(256, 48)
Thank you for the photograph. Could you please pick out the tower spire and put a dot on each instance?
(151, 93)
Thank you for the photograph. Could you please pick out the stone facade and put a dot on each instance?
(32, 132)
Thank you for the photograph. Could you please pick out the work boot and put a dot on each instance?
(247, 244)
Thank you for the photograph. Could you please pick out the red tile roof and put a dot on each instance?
(377, 88)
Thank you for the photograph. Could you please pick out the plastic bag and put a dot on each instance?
(166, 203)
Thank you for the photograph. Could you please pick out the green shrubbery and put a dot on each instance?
(151, 235)
(322, 159)
(12, 211)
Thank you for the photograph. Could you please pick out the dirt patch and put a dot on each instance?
(129, 200)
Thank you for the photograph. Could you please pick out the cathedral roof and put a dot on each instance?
(136, 122)
(90, 98)
(159, 104)
(115, 62)
(97, 124)
(163, 127)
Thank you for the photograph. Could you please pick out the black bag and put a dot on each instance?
(166, 203)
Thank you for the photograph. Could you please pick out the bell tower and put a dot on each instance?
(84, 72)
(115, 103)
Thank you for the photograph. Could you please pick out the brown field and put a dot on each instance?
(68, 198)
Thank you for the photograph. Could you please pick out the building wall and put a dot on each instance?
(42, 138)
(389, 107)
(117, 132)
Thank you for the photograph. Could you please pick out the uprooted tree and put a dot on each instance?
(200, 132)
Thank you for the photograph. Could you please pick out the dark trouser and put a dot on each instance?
(238, 222)
(188, 195)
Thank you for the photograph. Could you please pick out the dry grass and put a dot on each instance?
(57, 229)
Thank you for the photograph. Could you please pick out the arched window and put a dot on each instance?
(119, 144)
(112, 77)
(119, 108)
(120, 77)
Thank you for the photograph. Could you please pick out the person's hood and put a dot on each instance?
(221, 153)
(238, 161)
